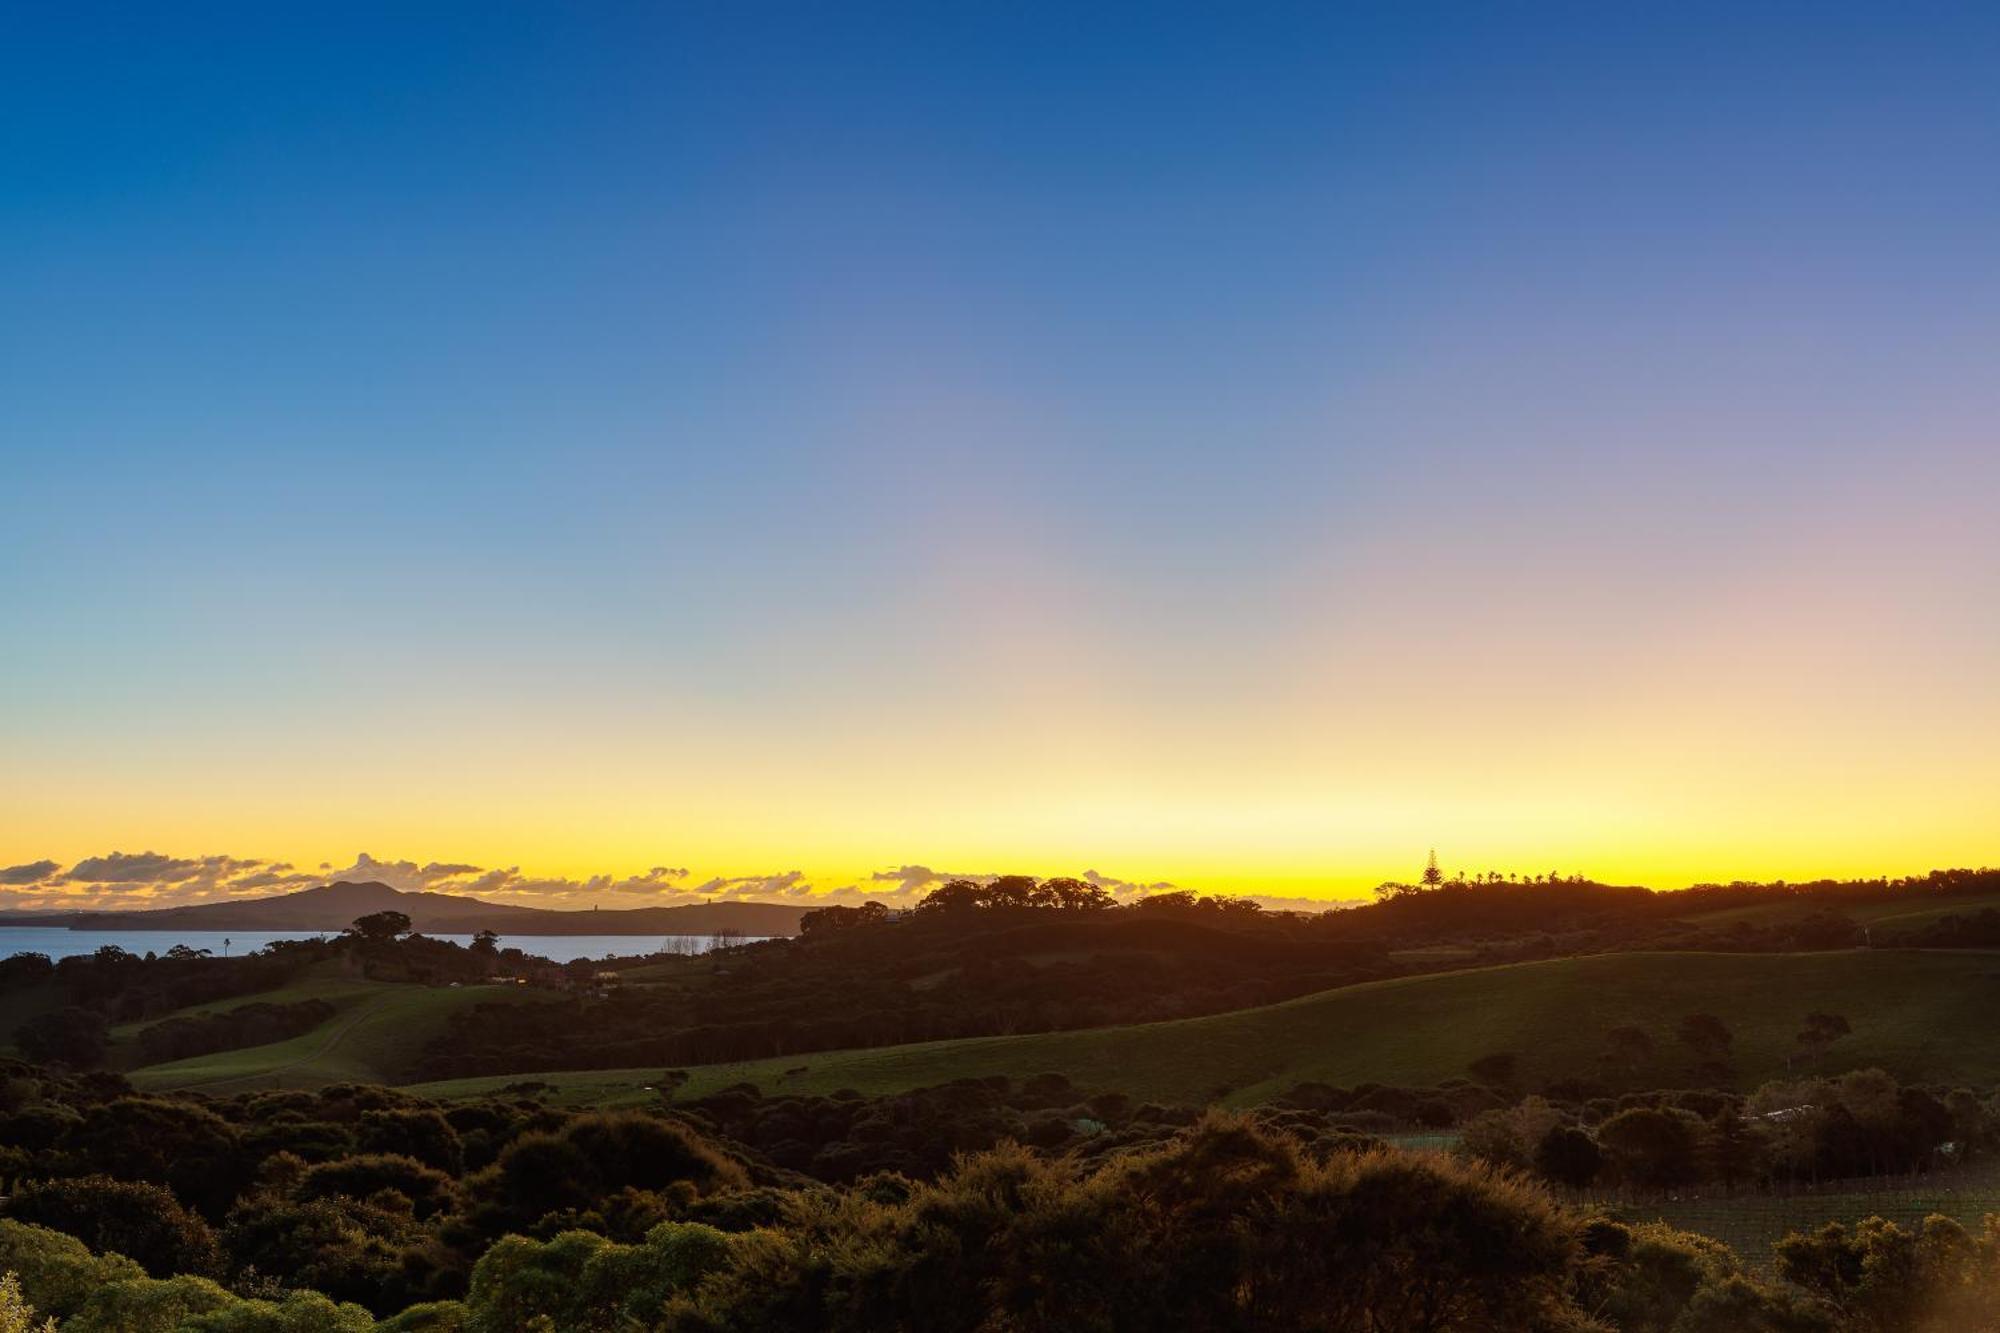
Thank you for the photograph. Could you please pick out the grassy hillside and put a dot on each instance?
(328, 982)
(1902, 912)
(1919, 1014)
(377, 1031)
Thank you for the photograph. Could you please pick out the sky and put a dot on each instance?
(812, 448)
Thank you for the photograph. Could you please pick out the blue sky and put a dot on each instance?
(834, 436)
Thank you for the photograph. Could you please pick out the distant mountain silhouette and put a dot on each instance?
(332, 907)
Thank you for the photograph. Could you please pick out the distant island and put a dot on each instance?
(333, 907)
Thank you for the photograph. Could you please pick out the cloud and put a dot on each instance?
(655, 882)
(405, 875)
(135, 868)
(155, 879)
(786, 884)
(151, 878)
(914, 880)
(1125, 888)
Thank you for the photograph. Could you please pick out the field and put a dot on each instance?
(1921, 1014)
(1751, 1223)
(1907, 912)
(377, 1031)
(326, 982)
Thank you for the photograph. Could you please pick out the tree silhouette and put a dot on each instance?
(1706, 1035)
(1821, 1031)
(380, 927)
(1433, 877)
(1629, 1044)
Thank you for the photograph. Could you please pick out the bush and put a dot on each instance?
(58, 1272)
(16, 1315)
(1226, 1227)
(582, 1283)
(595, 1156)
(141, 1221)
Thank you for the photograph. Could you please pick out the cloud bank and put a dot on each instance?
(148, 878)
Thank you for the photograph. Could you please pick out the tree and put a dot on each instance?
(379, 927)
(69, 1036)
(139, 1220)
(1821, 1031)
(958, 895)
(829, 920)
(1432, 877)
(1706, 1035)
(671, 1082)
(486, 943)
(1568, 1156)
(1075, 895)
(1629, 1044)
(1730, 1150)
(1497, 1069)
(1650, 1147)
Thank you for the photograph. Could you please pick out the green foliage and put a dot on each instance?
(16, 1314)
(1568, 1156)
(411, 1132)
(70, 1036)
(1885, 1278)
(430, 1317)
(426, 1189)
(297, 1312)
(595, 1156)
(1226, 1228)
(1650, 1147)
(1510, 1136)
(137, 1219)
(196, 1305)
(349, 1249)
(1653, 1279)
(583, 1283)
(57, 1272)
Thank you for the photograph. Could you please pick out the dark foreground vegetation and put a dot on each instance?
(989, 1205)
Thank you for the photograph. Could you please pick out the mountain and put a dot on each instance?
(333, 907)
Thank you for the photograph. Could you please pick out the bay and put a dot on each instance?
(58, 942)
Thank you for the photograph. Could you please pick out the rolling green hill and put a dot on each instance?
(1919, 1014)
(328, 982)
(1903, 911)
(377, 1031)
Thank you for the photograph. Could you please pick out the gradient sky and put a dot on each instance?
(1235, 445)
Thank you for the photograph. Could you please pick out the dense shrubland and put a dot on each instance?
(981, 1205)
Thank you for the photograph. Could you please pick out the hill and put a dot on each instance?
(377, 1031)
(1919, 1014)
(332, 907)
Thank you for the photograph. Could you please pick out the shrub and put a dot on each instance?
(139, 1220)
(57, 1272)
